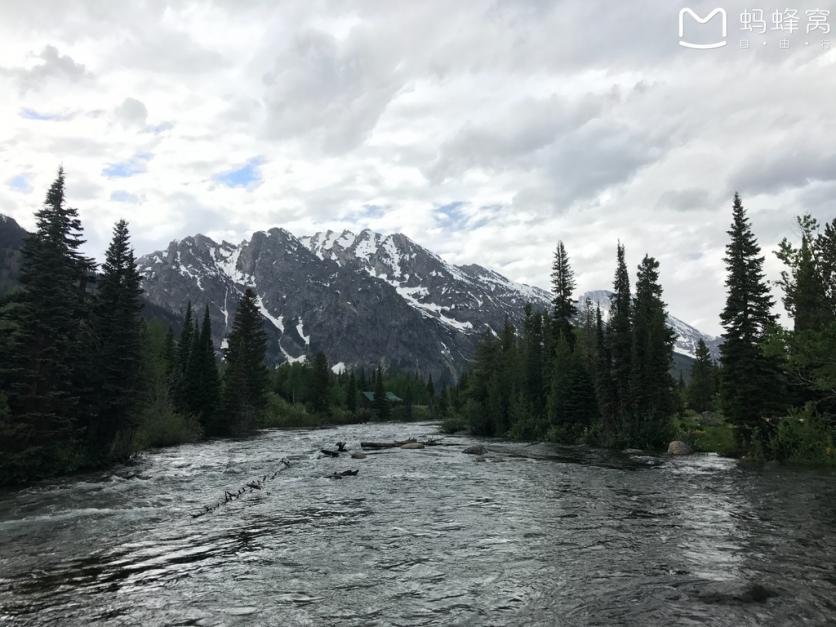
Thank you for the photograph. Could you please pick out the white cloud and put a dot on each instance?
(579, 120)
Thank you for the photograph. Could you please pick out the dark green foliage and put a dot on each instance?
(700, 392)
(748, 377)
(245, 376)
(381, 407)
(572, 401)
(534, 364)
(203, 385)
(604, 386)
(116, 328)
(179, 382)
(807, 296)
(620, 337)
(651, 386)
(41, 372)
(319, 384)
(351, 393)
(563, 286)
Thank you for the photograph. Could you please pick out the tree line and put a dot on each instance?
(569, 375)
(83, 376)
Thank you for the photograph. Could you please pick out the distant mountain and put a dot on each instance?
(686, 335)
(364, 299)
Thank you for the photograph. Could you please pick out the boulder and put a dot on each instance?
(412, 445)
(678, 447)
(358, 456)
(476, 449)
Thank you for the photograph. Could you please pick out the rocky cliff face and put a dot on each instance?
(364, 299)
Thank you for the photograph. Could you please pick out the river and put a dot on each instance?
(532, 535)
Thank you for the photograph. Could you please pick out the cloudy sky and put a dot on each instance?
(484, 130)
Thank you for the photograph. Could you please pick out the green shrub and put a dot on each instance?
(159, 425)
(280, 414)
(803, 437)
(528, 429)
(453, 424)
(706, 434)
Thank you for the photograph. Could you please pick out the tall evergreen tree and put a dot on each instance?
(117, 329)
(534, 365)
(747, 376)
(620, 336)
(701, 390)
(804, 283)
(651, 386)
(320, 379)
(605, 392)
(245, 376)
(563, 286)
(41, 371)
(202, 378)
(180, 383)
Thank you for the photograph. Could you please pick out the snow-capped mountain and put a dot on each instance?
(362, 298)
(686, 335)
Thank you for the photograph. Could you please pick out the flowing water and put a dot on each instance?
(529, 535)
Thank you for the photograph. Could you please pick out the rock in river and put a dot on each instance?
(678, 447)
(358, 456)
(476, 449)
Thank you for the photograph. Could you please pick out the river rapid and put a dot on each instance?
(526, 535)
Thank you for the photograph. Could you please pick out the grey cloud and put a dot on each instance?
(786, 168)
(333, 90)
(132, 112)
(54, 65)
(684, 199)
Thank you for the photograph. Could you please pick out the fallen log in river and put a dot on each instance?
(250, 486)
(396, 444)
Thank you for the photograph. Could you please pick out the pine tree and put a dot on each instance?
(700, 391)
(320, 379)
(572, 400)
(804, 283)
(563, 286)
(117, 329)
(534, 364)
(604, 389)
(180, 384)
(245, 376)
(748, 377)
(651, 386)
(41, 371)
(202, 378)
(620, 337)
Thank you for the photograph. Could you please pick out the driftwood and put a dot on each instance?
(341, 447)
(344, 473)
(325, 451)
(395, 444)
(249, 487)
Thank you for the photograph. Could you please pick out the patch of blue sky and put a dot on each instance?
(248, 175)
(136, 165)
(31, 114)
(121, 195)
(20, 183)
